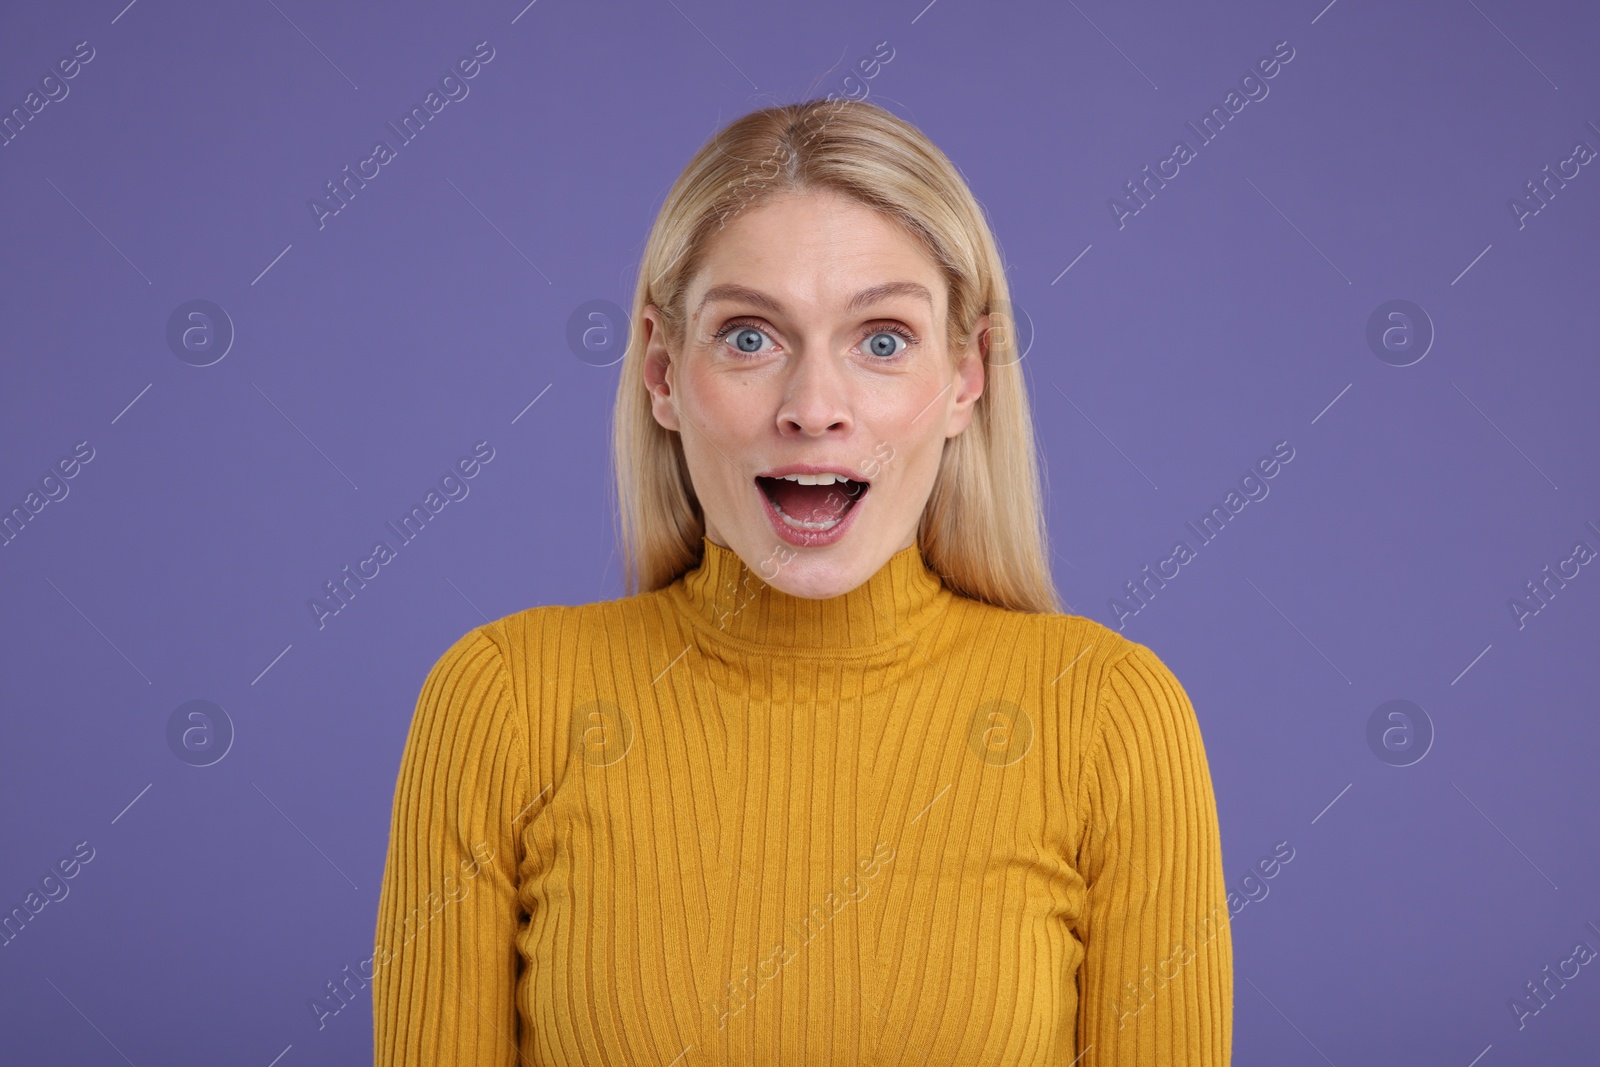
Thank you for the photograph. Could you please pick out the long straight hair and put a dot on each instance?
(982, 529)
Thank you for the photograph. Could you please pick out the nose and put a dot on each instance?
(817, 400)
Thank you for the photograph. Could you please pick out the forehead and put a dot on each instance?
(817, 249)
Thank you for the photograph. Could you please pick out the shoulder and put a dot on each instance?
(465, 708)
(526, 667)
(535, 630)
(1072, 656)
(1089, 678)
(1139, 682)
(1144, 722)
(471, 663)
(1105, 660)
(539, 645)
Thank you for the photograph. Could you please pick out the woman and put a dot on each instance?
(839, 783)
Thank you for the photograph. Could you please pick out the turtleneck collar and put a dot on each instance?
(730, 603)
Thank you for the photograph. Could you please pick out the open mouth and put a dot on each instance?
(812, 507)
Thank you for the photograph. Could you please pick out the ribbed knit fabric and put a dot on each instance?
(720, 824)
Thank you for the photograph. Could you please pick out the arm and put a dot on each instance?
(1156, 982)
(446, 957)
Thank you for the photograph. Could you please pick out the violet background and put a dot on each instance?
(433, 310)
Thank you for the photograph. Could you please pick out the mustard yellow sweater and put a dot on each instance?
(720, 824)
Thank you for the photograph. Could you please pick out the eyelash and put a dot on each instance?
(909, 337)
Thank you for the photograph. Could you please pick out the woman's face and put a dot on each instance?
(814, 339)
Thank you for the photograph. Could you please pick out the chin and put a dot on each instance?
(823, 589)
(819, 574)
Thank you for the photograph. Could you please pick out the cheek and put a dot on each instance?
(913, 457)
(726, 409)
(725, 429)
(902, 466)
(705, 417)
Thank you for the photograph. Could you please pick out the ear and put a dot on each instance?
(969, 377)
(659, 370)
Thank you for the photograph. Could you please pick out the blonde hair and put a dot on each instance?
(983, 527)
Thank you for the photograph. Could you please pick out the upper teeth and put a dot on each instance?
(825, 478)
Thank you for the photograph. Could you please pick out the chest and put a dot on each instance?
(740, 884)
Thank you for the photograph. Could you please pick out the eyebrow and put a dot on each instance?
(867, 296)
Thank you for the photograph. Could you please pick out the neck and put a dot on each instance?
(730, 602)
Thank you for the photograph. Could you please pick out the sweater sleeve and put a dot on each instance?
(445, 953)
(1156, 981)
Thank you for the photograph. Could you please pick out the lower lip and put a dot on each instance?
(808, 538)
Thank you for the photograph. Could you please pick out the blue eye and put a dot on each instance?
(746, 337)
(882, 343)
